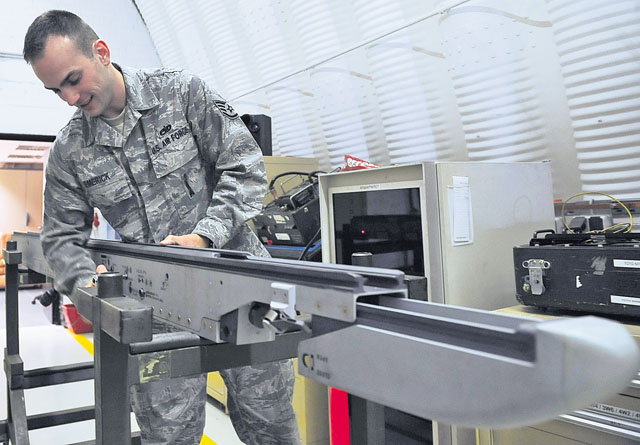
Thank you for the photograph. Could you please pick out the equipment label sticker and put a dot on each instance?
(619, 299)
(283, 236)
(627, 263)
(615, 410)
(154, 366)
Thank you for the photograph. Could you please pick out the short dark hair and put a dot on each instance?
(57, 23)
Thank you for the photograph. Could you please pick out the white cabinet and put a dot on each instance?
(20, 200)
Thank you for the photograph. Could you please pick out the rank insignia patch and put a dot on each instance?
(226, 109)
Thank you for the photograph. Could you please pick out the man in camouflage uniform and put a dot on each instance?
(167, 161)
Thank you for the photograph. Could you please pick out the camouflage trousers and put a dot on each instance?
(259, 402)
(170, 411)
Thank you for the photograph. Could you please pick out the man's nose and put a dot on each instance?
(69, 95)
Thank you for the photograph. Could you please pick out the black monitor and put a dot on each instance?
(385, 223)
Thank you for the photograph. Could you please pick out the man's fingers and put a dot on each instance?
(100, 269)
(169, 240)
(190, 240)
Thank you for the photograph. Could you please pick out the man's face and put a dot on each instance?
(80, 81)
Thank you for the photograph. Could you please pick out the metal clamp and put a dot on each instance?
(533, 282)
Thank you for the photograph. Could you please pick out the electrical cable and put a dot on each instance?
(610, 228)
(309, 244)
(309, 175)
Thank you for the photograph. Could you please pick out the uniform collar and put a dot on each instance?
(139, 94)
(140, 98)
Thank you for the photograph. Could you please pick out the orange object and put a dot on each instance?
(74, 321)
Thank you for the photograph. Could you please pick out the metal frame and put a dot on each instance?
(124, 356)
(123, 350)
(458, 365)
(17, 425)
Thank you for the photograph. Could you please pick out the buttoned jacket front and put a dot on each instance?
(185, 163)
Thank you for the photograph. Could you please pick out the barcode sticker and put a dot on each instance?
(619, 299)
(635, 264)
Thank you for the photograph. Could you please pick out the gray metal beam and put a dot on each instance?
(193, 289)
(12, 258)
(17, 418)
(454, 365)
(367, 424)
(55, 375)
(112, 400)
(46, 420)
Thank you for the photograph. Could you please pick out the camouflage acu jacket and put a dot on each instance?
(185, 164)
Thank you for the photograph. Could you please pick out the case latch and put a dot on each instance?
(533, 282)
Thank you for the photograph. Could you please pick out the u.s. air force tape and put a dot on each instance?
(226, 109)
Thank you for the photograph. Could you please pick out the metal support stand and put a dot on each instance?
(17, 425)
(16, 412)
(125, 353)
(366, 420)
(113, 421)
(12, 260)
(56, 310)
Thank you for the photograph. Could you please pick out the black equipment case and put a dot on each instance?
(590, 273)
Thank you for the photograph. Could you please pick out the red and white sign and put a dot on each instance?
(353, 163)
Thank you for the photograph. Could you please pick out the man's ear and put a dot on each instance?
(101, 50)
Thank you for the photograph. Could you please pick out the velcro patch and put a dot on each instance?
(226, 109)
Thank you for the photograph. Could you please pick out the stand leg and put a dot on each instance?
(12, 259)
(55, 311)
(16, 411)
(17, 418)
(366, 420)
(112, 400)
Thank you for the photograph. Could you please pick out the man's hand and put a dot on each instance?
(191, 240)
(100, 269)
